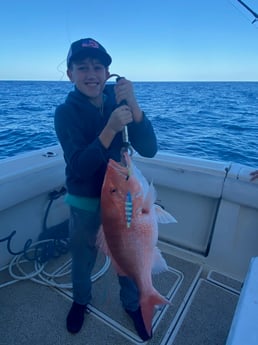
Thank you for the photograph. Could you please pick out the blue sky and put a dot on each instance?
(149, 40)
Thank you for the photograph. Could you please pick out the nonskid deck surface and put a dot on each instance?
(201, 310)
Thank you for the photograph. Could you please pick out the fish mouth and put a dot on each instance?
(118, 167)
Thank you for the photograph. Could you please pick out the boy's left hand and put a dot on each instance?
(124, 92)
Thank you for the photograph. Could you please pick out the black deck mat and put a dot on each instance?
(201, 310)
(174, 284)
(208, 318)
(226, 281)
(32, 313)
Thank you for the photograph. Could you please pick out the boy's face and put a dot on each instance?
(89, 76)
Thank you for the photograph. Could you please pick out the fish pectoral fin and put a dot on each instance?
(163, 216)
(159, 263)
(149, 198)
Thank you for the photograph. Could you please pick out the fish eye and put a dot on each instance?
(112, 190)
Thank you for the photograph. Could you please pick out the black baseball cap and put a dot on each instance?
(88, 47)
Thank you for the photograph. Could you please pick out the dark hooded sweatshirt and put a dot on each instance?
(78, 124)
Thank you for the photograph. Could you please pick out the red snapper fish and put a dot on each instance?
(129, 231)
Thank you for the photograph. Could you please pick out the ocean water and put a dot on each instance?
(210, 120)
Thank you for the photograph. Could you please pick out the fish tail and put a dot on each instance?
(147, 308)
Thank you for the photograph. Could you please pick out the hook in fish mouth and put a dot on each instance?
(124, 165)
(123, 168)
(125, 161)
(126, 152)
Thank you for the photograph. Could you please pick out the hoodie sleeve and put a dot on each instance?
(143, 138)
(84, 158)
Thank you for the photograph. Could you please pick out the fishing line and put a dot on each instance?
(61, 70)
(61, 67)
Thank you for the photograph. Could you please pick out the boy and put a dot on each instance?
(89, 127)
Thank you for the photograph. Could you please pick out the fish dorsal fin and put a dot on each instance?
(163, 216)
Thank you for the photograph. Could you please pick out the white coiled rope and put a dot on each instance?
(40, 275)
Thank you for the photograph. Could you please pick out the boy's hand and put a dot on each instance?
(125, 93)
(119, 118)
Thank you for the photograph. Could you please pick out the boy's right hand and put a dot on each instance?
(119, 118)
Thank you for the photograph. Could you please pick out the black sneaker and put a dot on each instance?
(75, 318)
(136, 316)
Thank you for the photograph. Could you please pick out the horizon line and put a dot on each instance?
(139, 81)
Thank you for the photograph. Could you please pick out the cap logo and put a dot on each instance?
(92, 44)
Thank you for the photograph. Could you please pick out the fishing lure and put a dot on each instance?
(128, 209)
